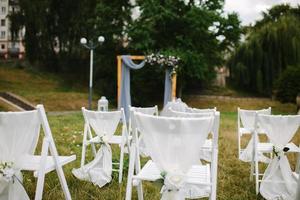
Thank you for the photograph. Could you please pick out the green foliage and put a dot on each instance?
(289, 84)
(271, 45)
(172, 27)
(179, 28)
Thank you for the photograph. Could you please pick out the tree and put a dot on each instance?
(271, 45)
(188, 30)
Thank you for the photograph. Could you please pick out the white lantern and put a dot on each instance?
(103, 104)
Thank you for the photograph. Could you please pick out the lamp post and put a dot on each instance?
(91, 46)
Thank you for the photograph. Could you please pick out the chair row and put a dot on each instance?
(183, 132)
(278, 180)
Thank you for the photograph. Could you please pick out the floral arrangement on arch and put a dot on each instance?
(163, 60)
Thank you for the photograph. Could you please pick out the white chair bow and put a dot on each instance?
(19, 134)
(99, 170)
(169, 141)
(279, 182)
(247, 118)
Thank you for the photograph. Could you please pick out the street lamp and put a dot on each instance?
(91, 46)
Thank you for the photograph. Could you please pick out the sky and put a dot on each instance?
(250, 10)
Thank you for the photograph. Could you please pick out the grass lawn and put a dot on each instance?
(43, 88)
(233, 175)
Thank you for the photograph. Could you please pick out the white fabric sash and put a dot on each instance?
(278, 181)
(19, 133)
(174, 145)
(248, 121)
(13, 189)
(99, 170)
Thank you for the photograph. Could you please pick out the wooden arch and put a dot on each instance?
(119, 76)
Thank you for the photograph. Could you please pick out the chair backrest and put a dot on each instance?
(280, 129)
(247, 117)
(103, 122)
(174, 144)
(19, 133)
(176, 105)
(145, 110)
(214, 114)
(198, 110)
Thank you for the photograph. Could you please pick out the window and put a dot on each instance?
(2, 22)
(2, 34)
(2, 46)
(3, 10)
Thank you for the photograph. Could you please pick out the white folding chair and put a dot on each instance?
(198, 110)
(19, 135)
(104, 124)
(174, 145)
(145, 110)
(177, 105)
(278, 181)
(245, 123)
(206, 153)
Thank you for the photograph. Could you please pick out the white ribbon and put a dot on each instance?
(173, 187)
(11, 187)
(99, 170)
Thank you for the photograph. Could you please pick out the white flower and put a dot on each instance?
(8, 174)
(176, 179)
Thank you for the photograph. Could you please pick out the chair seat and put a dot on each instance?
(198, 174)
(32, 162)
(268, 147)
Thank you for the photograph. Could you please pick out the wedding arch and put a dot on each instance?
(124, 65)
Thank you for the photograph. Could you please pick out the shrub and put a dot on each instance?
(289, 84)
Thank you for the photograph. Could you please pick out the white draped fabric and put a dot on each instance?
(197, 110)
(19, 133)
(176, 105)
(174, 145)
(148, 111)
(205, 155)
(278, 181)
(248, 122)
(99, 170)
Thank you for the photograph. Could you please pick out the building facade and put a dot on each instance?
(9, 48)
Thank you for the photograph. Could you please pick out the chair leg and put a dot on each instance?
(41, 172)
(256, 177)
(83, 154)
(251, 170)
(132, 157)
(121, 163)
(137, 170)
(140, 191)
(92, 144)
(60, 172)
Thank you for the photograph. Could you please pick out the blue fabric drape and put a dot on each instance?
(168, 86)
(125, 98)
